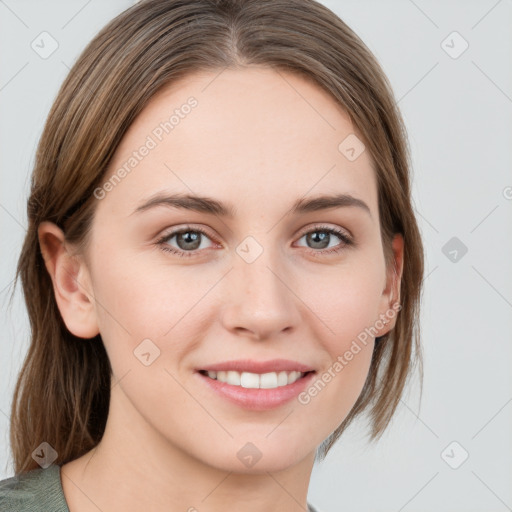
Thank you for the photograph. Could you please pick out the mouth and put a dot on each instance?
(250, 380)
(259, 389)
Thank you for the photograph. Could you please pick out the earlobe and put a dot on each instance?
(71, 282)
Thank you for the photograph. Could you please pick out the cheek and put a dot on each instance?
(346, 310)
(346, 301)
(332, 395)
(345, 305)
(137, 301)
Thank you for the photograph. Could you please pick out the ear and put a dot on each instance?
(390, 301)
(71, 282)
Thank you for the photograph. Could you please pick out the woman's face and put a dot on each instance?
(255, 276)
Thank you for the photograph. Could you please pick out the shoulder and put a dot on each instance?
(33, 491)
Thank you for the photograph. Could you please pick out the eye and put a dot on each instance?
(188, 240)
(321, 236)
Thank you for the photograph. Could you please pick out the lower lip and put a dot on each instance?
(257, 399)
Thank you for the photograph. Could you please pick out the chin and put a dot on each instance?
(258, 457)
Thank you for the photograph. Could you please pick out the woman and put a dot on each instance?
(222, 267)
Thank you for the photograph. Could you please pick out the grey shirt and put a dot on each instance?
(39, 490)
(34, 491)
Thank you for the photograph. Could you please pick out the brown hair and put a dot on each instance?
(63, 390)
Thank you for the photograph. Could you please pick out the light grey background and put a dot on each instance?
(459, 115)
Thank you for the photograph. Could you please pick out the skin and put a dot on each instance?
(258, 139)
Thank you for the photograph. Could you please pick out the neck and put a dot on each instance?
(134, 468)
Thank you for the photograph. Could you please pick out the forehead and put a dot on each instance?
(252, 136)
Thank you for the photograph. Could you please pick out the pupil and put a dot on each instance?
(190, 238)
(323, 239)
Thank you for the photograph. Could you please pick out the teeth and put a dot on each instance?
(282, 379)
(249, 380)
(233, 378)
(268, 381)
(255, 380)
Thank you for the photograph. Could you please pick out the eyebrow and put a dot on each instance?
(211, 206)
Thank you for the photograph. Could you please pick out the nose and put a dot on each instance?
(260, 300)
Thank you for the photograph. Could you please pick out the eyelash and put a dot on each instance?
(346, 240)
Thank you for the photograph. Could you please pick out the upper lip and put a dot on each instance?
(252, 366)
